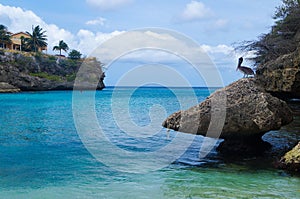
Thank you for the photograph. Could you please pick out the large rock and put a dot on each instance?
(291, 160)
(248, 113)
(281, 76)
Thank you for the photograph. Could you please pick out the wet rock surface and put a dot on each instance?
(291, 160)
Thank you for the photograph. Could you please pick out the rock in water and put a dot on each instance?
(291, 160)
(249, 112)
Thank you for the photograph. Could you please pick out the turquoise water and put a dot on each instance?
(42, 155)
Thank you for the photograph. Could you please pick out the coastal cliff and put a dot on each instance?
(249, 112)
(40, 72)
(260, 104)
(254, 106)
(281, 76)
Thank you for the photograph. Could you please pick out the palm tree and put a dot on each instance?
(61, 46)
(4, 36)
(37, 39)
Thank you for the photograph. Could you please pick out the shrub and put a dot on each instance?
(283, 37)
(47, 76)
(74, 54)
(71, 77)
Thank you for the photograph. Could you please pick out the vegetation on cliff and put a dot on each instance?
(4, 36)
(61, 46)
(277, 53)
(283, 38)
(38, 71)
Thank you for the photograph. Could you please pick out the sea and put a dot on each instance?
(110, 144)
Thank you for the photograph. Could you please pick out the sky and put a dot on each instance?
(216, 26)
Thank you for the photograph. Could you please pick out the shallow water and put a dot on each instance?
(42, 156)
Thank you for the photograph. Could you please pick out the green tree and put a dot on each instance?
(287, 8)
(4, 36)
(61, 46)
(74, 54)
(24, 46)
(37, 39)
(283, 37)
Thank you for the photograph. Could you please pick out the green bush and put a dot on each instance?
(47, 76)
(74, 54)
(52, 58)
(283, 37)
(71, 77)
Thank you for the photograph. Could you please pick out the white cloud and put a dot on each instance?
(225, 56)
(195, 10)
(86, 41)
(89, 41)
(23, 20)
(100, 21)
(18, 20)
(108, 4)
(224, 49)
(221, 23)
(198, 11)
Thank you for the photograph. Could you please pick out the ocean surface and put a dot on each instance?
(45, 151)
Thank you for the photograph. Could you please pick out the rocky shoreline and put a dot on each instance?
(253, 107)
(249, 112)
(291, 160)
(39, 72)
(7, 88)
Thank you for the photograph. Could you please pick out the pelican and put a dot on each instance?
(246, 70)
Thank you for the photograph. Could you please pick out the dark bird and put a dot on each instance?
(246, 70)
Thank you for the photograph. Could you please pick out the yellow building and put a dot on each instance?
(16, 42)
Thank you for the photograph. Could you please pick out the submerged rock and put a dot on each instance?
(291, 160)
(248, 113)
(7, 88)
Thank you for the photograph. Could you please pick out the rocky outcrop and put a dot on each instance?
(281, 76)
(291, 160)
(248, 113)
(39, 72)
(7, 88)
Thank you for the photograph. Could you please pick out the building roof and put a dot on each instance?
(18, 33)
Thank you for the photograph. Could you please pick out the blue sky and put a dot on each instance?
(85, 24)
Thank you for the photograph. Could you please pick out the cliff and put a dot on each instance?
(281, 76)
(40, 72)
(252, 106)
